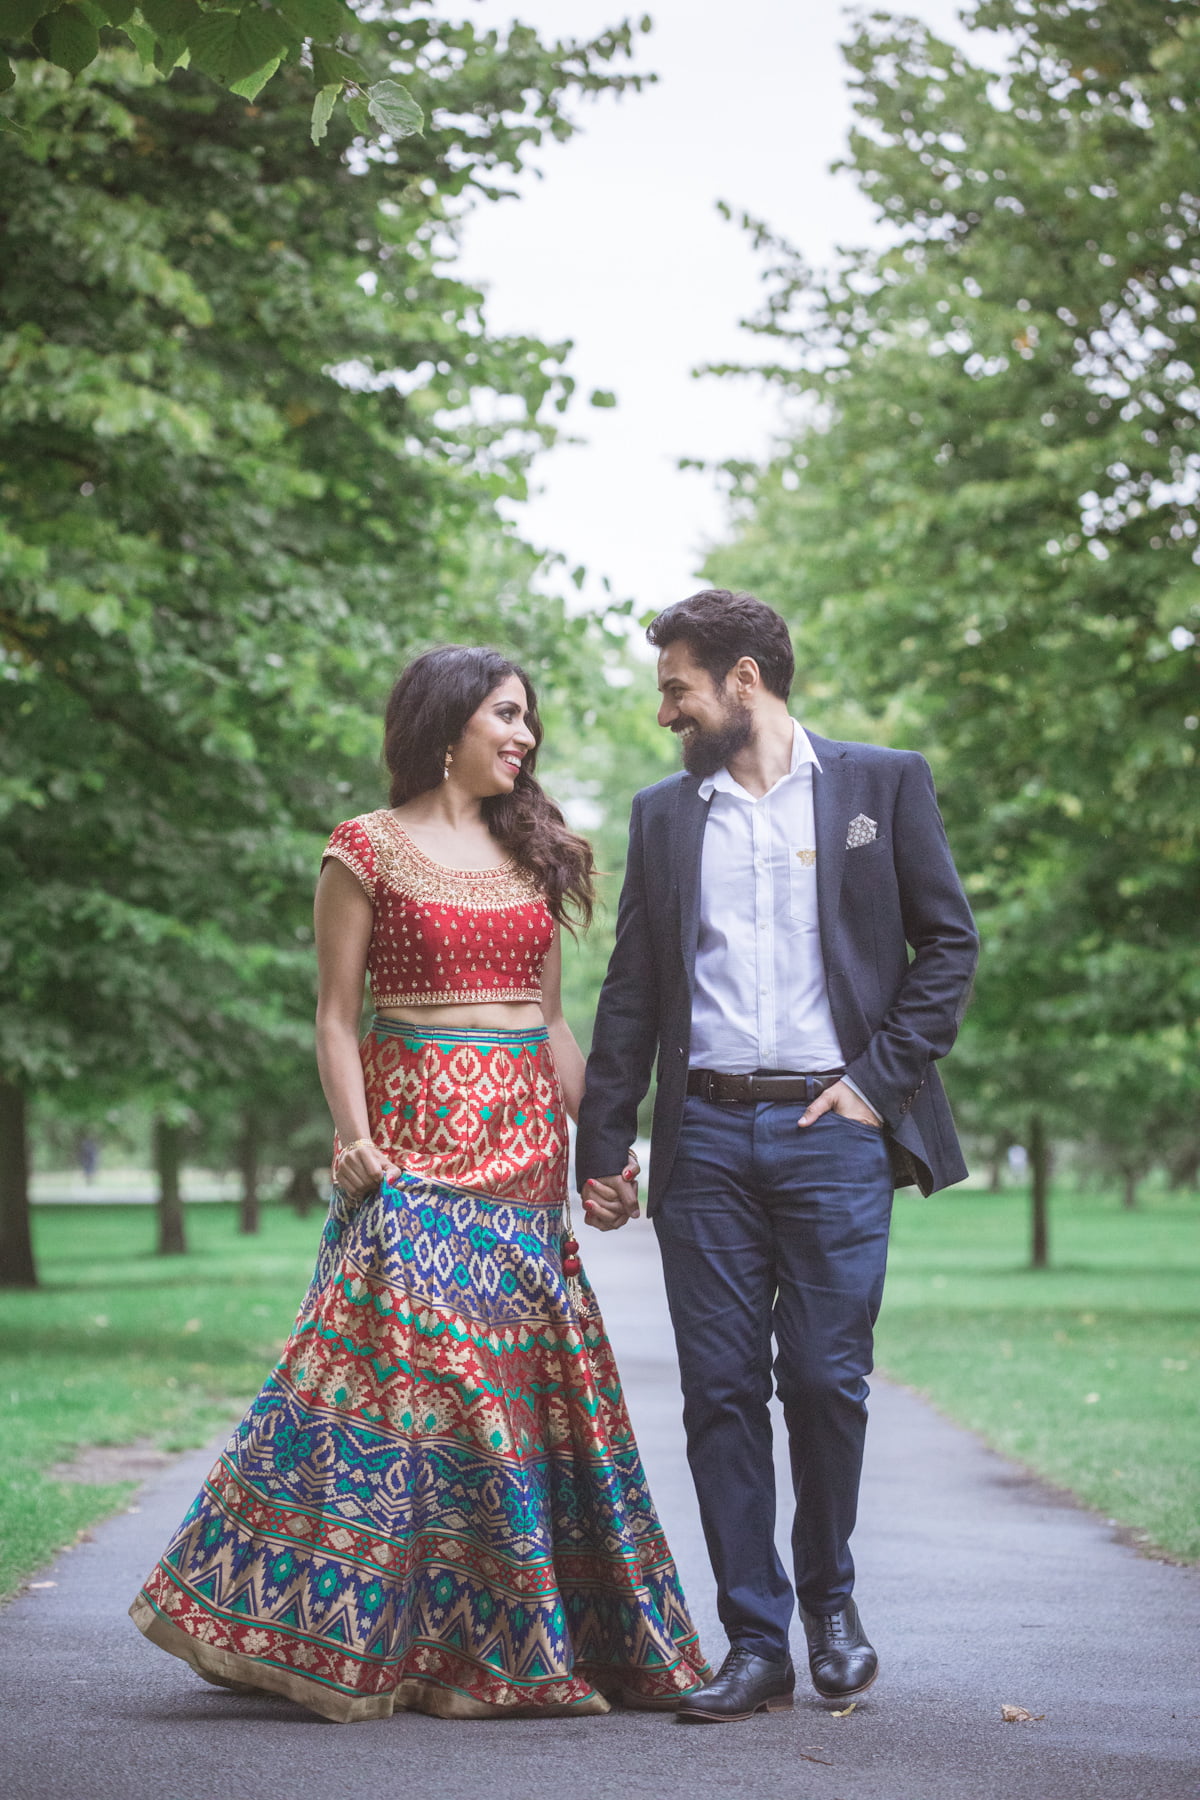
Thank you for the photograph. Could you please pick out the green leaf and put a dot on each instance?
(602, 397)
(167, 52)
(18, 17)
(394, 109)
(6, 75)
(170, 18)
(332, 67)
(360, 114)
(318, 18)
(252, 85)
(142, 39)
(117, 11)
(322, 111)
(68, 39)
(230, 46)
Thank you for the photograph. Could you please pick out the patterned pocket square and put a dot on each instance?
(862, 831)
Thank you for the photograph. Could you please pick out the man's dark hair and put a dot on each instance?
(719, 628)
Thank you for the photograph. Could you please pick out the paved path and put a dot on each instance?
(978, 1588)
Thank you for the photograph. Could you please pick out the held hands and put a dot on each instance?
(609, 1202)
(360, 1168)
(840, 1099)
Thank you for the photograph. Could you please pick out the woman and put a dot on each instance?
(436, 1502)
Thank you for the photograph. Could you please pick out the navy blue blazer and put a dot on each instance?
(897, 938)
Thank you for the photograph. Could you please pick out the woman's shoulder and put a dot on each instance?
(355, 842)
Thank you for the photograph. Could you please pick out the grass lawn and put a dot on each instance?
(1088, 1372)
(120, 1344)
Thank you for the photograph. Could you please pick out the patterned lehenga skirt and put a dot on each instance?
(436, 1501)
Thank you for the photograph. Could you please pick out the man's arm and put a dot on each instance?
(922, 1022)
(625, 1035)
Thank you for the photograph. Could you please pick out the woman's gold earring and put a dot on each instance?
(446, 765)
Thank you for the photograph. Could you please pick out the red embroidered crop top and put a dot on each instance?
(440, 935)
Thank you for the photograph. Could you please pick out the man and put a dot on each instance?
(772, 895)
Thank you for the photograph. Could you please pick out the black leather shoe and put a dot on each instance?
(842, 1662)
(743, 1685)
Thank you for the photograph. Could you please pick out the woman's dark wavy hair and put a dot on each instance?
(427, 712)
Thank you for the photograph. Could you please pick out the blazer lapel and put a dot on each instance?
(691, 815)
(834, 786)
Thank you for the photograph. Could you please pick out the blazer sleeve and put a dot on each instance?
(625, 1035)
(923, 1020)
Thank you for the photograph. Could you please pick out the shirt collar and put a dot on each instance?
(802, 753)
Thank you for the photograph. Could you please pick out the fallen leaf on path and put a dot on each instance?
(1017, 1715)
(808, 1757)
(846, 1710)
(43, 1584)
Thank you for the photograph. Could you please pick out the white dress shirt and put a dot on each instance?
(760, 999)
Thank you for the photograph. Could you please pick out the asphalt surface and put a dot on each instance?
(979, 1588)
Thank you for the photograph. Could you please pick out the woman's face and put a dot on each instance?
(495, 741)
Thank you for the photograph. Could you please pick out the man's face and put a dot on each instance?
(712, 724)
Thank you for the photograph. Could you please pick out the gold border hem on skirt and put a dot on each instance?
(226, 1668)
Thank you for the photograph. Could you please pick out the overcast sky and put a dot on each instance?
(619, 247)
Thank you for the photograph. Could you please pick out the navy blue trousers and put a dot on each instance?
(774, 1246)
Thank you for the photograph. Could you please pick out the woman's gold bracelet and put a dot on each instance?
(358, 1144)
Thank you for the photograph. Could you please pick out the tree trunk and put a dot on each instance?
(248, 1168)
(17, 1267)
(1129, 1188)
(1183, 1169)
(301, 1192)
(168, 1157)
(996, 1166)
(1039, 1192)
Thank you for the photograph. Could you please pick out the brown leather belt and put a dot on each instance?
(747, 1090)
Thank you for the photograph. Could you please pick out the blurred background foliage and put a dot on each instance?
(254, 431)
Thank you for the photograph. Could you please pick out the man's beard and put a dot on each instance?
(704, 752)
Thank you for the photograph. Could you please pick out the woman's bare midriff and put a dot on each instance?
(493, 1015)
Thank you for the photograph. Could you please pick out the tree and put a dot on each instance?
(168, 1161)
(1137, 1100)
(240, 44)
(17, 1267)
(252, 436)
(984, 526)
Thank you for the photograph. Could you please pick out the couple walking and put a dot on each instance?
(436, 1502)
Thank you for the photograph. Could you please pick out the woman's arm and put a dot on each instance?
(343, 917)
(568, 1058)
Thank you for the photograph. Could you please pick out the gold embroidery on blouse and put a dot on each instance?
(453, 996)
(407, 871)
(341, 853)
